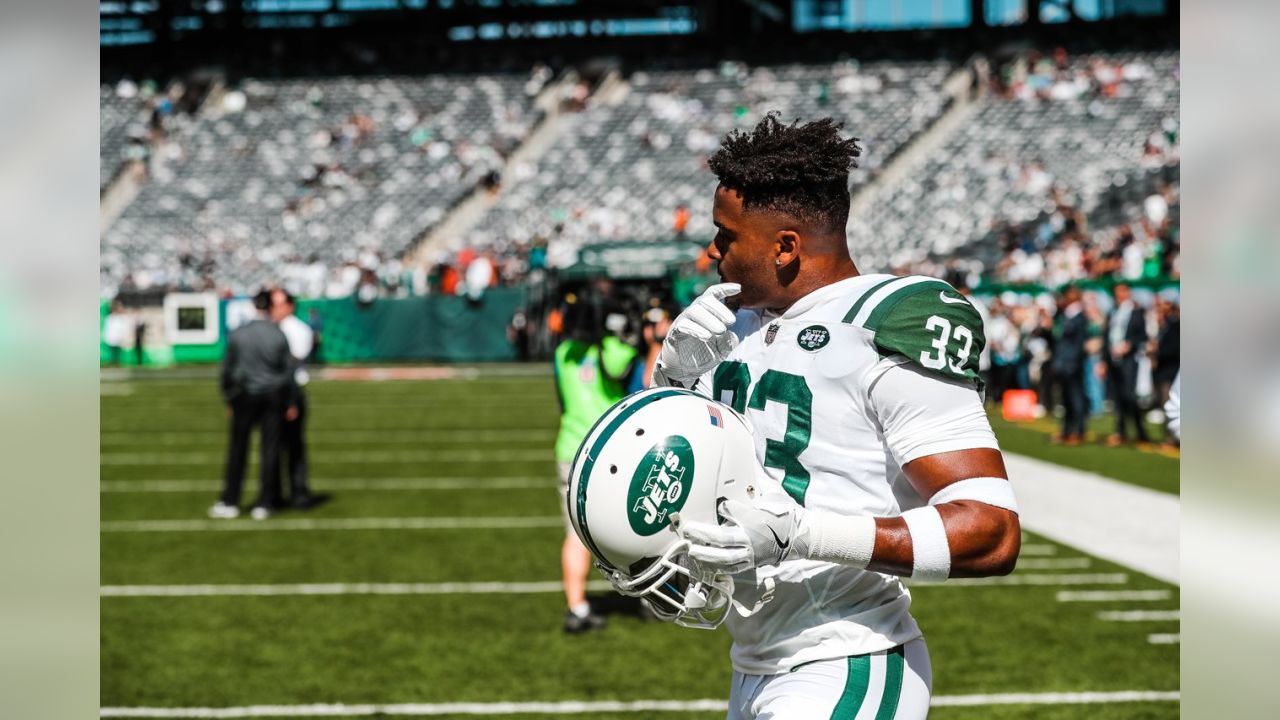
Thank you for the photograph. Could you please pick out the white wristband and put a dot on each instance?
(993, 491)
(843, 539)
(930, 550)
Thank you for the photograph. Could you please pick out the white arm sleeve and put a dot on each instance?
(922, 414)
(1173, 408)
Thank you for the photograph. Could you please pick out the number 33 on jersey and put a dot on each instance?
(805, 380)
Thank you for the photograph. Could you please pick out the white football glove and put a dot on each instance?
(764, 532)
(699, 337)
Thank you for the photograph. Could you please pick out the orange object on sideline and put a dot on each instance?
(1018, 405)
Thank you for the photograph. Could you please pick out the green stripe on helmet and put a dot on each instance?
(589, 460)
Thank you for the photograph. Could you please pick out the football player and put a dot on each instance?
(866, 405)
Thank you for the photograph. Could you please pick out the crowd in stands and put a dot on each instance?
(340, 174)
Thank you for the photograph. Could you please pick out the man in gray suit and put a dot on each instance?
(257, 382)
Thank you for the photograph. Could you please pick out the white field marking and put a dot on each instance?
(448, 588)
(1139, 529)
(342, 437)
(1032, 579)
(371, 456)
(1039, 550)
(115, 389)
(575, 707)
(1164, 638)
(1113, 595)
(1079, 563)
(1139, 615)
(440, 483)
(294, 524)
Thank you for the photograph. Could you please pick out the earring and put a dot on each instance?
(777, 261)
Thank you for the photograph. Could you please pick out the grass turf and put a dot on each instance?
(230, 651)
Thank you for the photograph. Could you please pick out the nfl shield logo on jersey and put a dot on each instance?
(770, 334)
(813, 338)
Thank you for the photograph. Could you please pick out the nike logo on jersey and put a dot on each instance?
(951, 301)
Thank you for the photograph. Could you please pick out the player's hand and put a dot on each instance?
(291, 413)
(763, 532)
(699, 337)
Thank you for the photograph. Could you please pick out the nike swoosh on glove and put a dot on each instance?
(764, 532)
(699, 337)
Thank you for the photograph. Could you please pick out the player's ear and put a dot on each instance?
(786, 244)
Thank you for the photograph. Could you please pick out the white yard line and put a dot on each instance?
(1028, 550)
(461, 482)
(296, 524)
(370, 456)
(1078, 563)
(1113, 595)
(481, 588)
(1164, 638)
(1029, 579)
(1139, 615)
(575, 707)
(497, 588)
(1113, 520)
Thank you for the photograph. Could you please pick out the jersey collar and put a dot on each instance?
(839, 288)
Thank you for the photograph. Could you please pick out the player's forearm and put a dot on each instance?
(953, 537)
(982, 541)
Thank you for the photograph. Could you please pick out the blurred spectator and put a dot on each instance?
(294, 437)
(116, 330)
(653, 331)
(1069, 364)
(1168, 350)
(591, 369)
(1126, 340)
(681, 221)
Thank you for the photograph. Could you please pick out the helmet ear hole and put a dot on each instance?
(613, 469)
(639, 432)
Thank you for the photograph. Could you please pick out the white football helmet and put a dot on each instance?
(658, 452)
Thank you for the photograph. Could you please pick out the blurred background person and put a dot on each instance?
(1126, 339)
(591, 369)
(1167, 357)
(257, 383)
(116, 331)
(294, 438)
(1069, 364)
(653, 331)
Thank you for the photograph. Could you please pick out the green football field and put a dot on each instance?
(431, 578)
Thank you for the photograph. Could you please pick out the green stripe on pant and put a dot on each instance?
(859, 680)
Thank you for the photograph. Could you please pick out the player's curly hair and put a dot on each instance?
(800, 170)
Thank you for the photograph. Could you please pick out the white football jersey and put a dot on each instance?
(804, 379)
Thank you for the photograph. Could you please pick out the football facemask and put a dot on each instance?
(655, 453)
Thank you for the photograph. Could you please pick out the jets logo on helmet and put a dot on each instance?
(651, 456)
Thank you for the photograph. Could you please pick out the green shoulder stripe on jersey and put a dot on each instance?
(933, 326)
(853, 311)
(886, 306)
(855, 688)
(589, 460)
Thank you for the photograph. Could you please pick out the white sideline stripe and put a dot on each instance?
(481, 588)
(1138, 530)
(1139, 615)
(475, 588)
(1165, 639)
(442, 483)
(1038, 550)
(1113, 595)
(573, 707)
(290, 524)
(372, 456)
(1079, 563)
(1035, 579)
